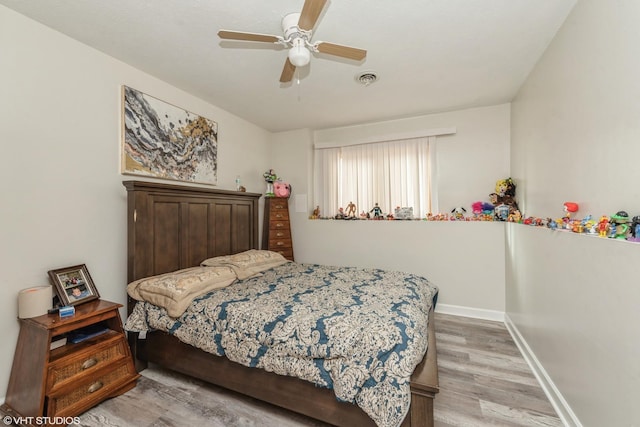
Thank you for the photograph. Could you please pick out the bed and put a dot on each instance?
(174, 227)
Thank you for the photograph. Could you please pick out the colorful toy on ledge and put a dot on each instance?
(566, 221)
(346, 215)
(482, 211)
(377, 212)
(504, 200)
(618, 224)
(603, 226)
(402, 213)
(570, 208)
(635, 229)
(458, 214)
(351, 210)
(435, 217)
(515, 216)
(589, 225)
(316, 213)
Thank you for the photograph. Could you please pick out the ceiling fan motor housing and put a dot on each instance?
(290, 27)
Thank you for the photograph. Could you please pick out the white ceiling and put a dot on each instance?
(430, 55)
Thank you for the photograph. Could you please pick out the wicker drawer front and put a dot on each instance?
(73, 368)
(89, 392)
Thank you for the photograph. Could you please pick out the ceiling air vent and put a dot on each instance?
(366, 78)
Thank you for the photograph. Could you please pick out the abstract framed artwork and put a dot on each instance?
(161, 140)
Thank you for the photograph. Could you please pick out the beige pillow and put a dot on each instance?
(248, 263)
(174, 291)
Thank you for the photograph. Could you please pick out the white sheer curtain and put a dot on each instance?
(392, 174)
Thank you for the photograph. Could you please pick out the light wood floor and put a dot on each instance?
(484, 381)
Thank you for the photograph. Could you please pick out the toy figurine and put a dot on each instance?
(515, 216)
(476, 208)
(502, 212)
(316, 213)
(482, 208)
(505, 194)
(457, 214)
(281, 189)
(351, 210)
(270, 177)
(377, 212)
(576, 226)
(405, 213)
(635, 229)
(340, 214)
(570, 208)
(603, 226)
(589, 225)
(620, 219)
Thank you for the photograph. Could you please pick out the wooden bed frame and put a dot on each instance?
(171, 227)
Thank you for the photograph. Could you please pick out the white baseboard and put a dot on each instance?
(567, 416)
(476, 313)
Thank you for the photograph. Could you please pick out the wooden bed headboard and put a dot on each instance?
(171, 227)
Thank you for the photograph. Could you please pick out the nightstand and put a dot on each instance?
(66, 381)
(276, 232)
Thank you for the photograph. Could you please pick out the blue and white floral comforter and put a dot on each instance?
(360, 332)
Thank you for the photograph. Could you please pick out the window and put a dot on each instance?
(392, 174)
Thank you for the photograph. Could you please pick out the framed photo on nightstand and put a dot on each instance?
(74, 285)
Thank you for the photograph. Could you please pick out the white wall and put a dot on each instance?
(63, 202)
(469, 164)
(575, 137)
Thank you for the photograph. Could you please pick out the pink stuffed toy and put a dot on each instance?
(281, 189)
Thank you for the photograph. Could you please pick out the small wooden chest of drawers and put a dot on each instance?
(66, 381)
(276, 231)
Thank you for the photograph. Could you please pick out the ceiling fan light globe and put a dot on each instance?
(299, 56)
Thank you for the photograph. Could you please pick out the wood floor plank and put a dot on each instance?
(473, 367)
(518, 417)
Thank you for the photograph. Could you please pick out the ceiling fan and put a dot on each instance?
(298, 30)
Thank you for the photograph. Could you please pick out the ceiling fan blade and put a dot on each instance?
(251, 37)
(287, 72)
(342, 51)
(310, 14)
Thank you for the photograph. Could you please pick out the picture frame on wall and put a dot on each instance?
(73, 285)
(161, 140)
